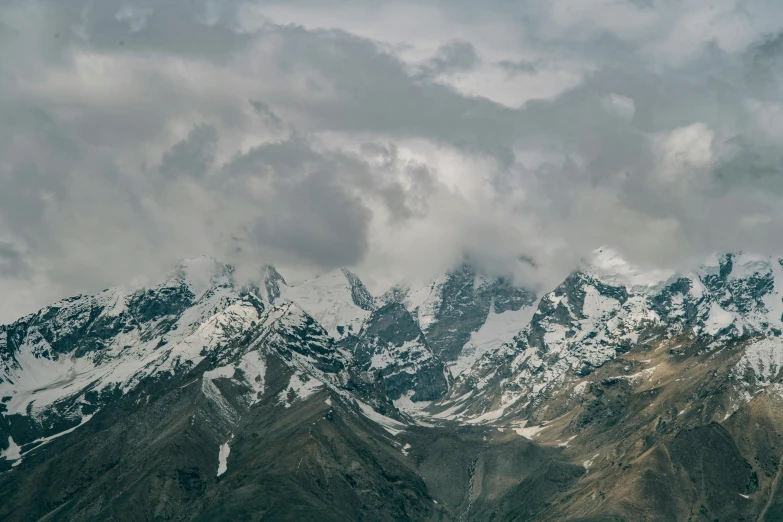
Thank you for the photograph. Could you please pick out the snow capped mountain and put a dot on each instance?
(593, 318)
(60, 365)
(446, 383)
(506, 350)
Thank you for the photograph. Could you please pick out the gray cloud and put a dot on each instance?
(12, 264)
(316, 135)
(192, 156)
(453, 57)
(315, 219)
(516, 67)
(263, 110)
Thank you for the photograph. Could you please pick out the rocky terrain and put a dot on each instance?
(618, 395)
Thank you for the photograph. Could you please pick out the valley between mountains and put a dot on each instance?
(618, 395)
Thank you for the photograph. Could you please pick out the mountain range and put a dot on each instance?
(621, 394)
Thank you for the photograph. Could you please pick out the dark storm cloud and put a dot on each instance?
(372, 91)
(315, 203)
(314, 218)
(451, 58)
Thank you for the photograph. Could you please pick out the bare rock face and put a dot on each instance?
(453, 306)
(393, 345)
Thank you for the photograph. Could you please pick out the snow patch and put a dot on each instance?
(579, 389)
(392, 426)
(718, 319)
(425, 300)
(380, 361)
(450, 413)
(253, 367)
(489, 416)
(496, 330)
(565, 444)
(300, 388)
(763, 358)
(589, 463)
(647, 374)
(212, 392)
(46, 440)
(405, 404)
(528, 431)
(12, 452)
(225, 450)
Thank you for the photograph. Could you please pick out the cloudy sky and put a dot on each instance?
(395, 138)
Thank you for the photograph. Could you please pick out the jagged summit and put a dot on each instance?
(454, 311)
(272, 283)
(360, 296)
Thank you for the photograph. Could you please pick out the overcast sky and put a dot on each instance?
(395, 138)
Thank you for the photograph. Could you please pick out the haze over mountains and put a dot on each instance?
(617, 395)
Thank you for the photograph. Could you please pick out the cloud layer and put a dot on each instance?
(392, 137)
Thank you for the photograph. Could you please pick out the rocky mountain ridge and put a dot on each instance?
(595, 395)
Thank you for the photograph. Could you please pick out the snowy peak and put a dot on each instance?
(736, 291)
(300, 340)
(736, 295)
(61, 365)
(337, 300)
(745, 284)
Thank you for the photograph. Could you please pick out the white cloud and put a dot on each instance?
(621, 106)
(686, 152)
